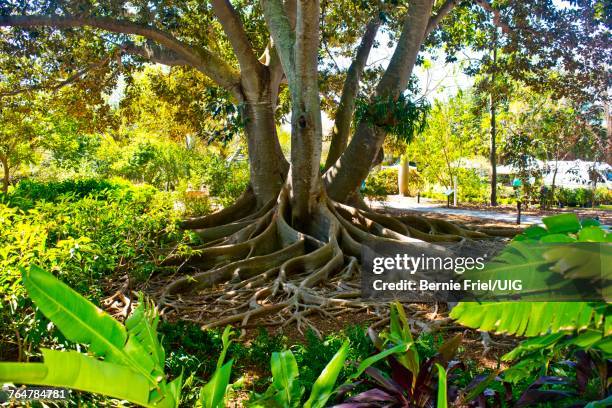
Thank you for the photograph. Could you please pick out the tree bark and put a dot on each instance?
(353, 166)
(268, 166)
(346, 108)
(198, 57)
(493, 150)
(306, 128)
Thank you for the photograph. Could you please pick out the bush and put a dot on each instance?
(415, 183)
(581, 197)
(381, 183)
(86, 240)
(603, 196)
(31, 191)
(224, 181)
(472, 187)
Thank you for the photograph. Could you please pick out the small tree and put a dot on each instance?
(18, 135)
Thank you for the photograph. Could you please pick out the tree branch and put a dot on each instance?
(154, 53)
(197, 57)
(497, 19)
(344, 114)
(233, 28)
(434, 21)
(281, 30)
(57, 85)
(396, 77)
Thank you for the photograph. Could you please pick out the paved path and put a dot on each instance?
(409, 204)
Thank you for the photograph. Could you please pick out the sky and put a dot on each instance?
(438, 81)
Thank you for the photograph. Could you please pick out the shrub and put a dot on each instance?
(83, 239)
(472, 187)
(224, 181)
(603, 196)
(30, 191)
(574, 197)
(381, 183)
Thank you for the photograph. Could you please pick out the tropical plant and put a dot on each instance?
(520, 260)
(286, 391)
(411, 381)
(124, 362)
(381, 183)
(554, 327)
(213, 394)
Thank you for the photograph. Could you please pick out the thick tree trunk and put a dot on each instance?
(268, 166)
(353, 166)
(306, 129)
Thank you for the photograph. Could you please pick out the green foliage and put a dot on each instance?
(401, 117)
(472, 186)
(405, 378)
(132, 365)
(286, 391)
(453, 134)
(88, 233)
(442, 393)
(313, 355)
(381, 183)
(556, 329)
(539, 318)
(213, 394)
(224, 180)
(27, 192)
(582, 197)
(87, 230)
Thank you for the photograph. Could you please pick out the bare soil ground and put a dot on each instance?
(423, 317)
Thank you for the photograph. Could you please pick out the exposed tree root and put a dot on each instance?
(260, 267)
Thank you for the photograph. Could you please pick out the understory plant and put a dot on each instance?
(286, 391)
(405, 378)
(122, 361)
(555, 330)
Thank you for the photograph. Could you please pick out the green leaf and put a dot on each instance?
(532, 345)
(142, 324)
(442, 397)
(323, 386)
(528, 318)
(213, 393)
(399, 333)
(562, 223)
(82, 322)
(78, 371)
(557, 238)
(225, 340)
(592, 234)
(590, 222)
(535, 232)
(399, 348)
(600, 404)
(285, 391)
(284, 372)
